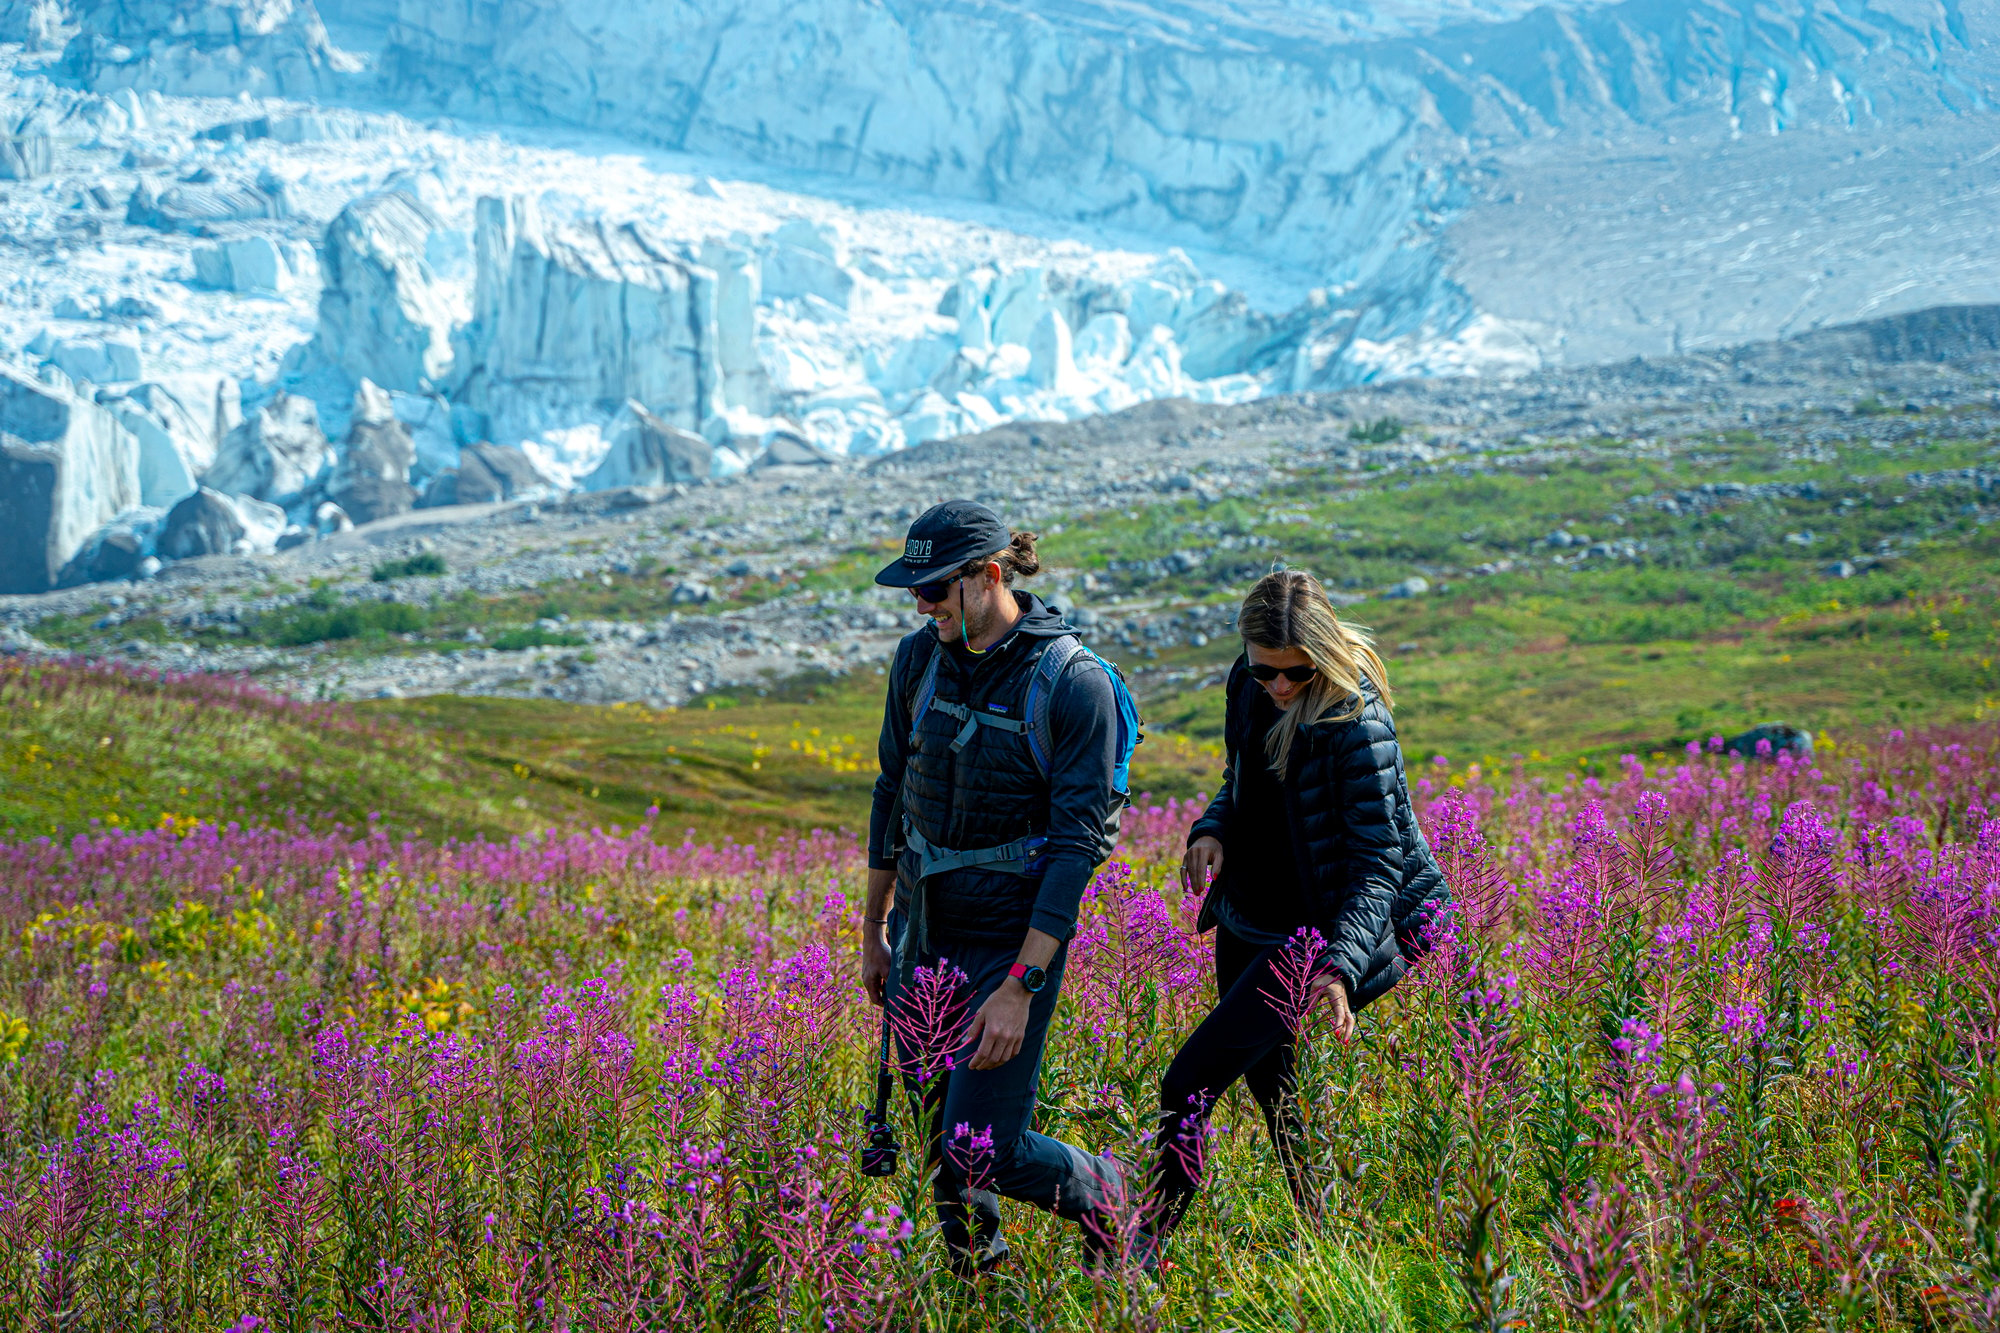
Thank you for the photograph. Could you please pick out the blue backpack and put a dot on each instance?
(1058, 655)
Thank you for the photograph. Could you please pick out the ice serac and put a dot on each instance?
(1077, 112)
(66, 468)
(738, 289)
(274, 455)
(179, 423)
(39, 25)
(205, 48)
(24, 156)
(571, 320)
(383, 315)
(1346, 139)
(248, 264)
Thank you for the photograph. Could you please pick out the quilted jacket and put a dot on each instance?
(1368, 875)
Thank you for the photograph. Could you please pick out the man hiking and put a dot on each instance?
(1003, 753)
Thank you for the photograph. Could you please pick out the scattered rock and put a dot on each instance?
(488, 473)
(206, 523)
(372, 479)
(646, 451)
(1414, 586)
(785, 449)
(1779, 736)
(330, 518)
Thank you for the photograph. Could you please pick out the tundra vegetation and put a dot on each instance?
(1711, 1042)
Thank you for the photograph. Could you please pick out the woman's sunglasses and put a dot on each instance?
(1298, 675)
(933, 592)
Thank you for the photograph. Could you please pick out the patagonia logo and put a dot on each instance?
(998, 708)
(913, 549)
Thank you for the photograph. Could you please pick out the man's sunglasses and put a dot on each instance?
(1298, 675)
(933, 592)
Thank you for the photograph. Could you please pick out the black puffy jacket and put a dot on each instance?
(1368, 875)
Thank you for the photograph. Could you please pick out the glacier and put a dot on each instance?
(547, 244)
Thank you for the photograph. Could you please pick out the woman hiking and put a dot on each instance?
(1310, 830)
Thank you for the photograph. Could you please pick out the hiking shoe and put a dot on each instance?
(966, 1264)
(1107, 1257)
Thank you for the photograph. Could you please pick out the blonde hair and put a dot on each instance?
(1288, 609)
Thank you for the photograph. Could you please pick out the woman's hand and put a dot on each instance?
(1201, 864)
(1341, 1017)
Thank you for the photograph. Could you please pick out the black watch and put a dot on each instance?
(1032, 979)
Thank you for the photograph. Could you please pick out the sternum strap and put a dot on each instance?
(974, 720)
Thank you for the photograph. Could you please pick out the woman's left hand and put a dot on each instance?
(1336, 993)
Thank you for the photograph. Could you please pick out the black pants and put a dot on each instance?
(1244, 1037)
(1001, 1155)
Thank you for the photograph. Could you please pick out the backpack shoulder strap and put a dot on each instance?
(926, 691)
(1056, 657)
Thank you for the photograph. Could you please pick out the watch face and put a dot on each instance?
(1034, 979)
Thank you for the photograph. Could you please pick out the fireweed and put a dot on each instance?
(1705, 1044)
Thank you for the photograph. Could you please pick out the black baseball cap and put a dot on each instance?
(945, 539)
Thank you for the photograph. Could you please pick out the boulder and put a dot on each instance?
(784, 449)
(587, 318)
(114, 551)
(646, 451)
(274, 455)
(205, 523)
(383, 315)
(1781, 737)
(440, 490)
(66, 468)
(371, 498)
(488, 473)
(329, 518)
(372, 479)
(25, 156)
(179, 424)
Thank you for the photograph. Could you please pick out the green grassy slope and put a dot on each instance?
(1730, 618)
(88, 746)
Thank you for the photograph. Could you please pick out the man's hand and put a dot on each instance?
(876, 959)
(1201, 864)
(1000, 1025)
(1341, 1016)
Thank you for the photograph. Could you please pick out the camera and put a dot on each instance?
(879, 1152)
